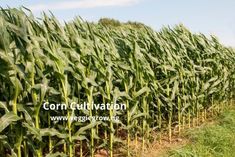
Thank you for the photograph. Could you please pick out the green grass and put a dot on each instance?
(212, 140)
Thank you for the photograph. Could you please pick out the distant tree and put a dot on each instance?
(116, 23)
(136, 24)
(109, 22)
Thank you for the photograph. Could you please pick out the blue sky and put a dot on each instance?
(215, 17)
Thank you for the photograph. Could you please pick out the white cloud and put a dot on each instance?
(81, 4)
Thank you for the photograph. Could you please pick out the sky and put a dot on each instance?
(210, 17)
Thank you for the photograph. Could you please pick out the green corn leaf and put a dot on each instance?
(141, 91)
(8, 119)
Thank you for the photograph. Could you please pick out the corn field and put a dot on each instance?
(166, 79)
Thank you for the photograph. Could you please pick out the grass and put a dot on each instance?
(212, 140)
